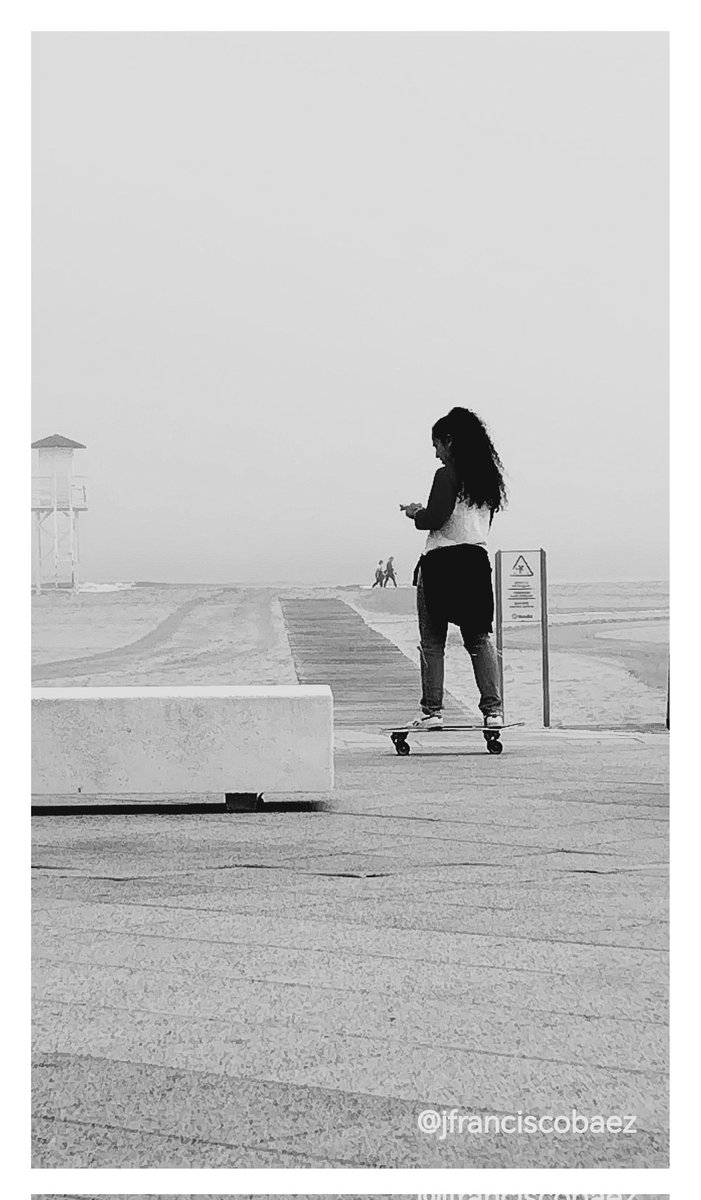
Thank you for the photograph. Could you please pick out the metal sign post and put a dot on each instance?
(521, 595)
(544, 639)
(499, 629)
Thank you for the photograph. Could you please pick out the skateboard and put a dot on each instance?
(491, 734)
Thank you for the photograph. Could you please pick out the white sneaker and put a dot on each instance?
(494, 721)
(427, 721)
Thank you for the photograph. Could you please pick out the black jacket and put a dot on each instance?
(457, 585)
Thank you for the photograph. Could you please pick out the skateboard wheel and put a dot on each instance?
(494, 746)
(403, 748)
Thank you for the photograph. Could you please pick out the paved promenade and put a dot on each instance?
(294, 987)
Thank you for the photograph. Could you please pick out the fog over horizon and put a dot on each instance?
(265, 264)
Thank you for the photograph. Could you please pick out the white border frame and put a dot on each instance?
(678, 19)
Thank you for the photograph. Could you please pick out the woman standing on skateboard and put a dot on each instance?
(453, 577)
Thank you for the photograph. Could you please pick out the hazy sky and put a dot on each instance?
(265, 264)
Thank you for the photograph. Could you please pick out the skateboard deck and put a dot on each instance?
(399, 734)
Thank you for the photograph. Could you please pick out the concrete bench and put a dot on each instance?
(238, 741)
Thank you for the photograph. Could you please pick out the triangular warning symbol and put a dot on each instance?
(521, 567)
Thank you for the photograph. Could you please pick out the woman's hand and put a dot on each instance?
(410, 509)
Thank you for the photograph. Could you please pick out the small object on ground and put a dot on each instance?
(243, 801)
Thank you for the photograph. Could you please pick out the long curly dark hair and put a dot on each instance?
(474, 458)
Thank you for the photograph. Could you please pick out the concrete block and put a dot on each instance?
(189, 740)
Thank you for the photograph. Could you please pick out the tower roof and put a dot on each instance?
(57, 440)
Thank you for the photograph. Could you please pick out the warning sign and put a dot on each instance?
(522, 599)
(521, 567)
(520, 587)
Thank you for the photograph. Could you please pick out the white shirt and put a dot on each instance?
(466, 525)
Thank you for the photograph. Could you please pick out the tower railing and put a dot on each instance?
(49, 492)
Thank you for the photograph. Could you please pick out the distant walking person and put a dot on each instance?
(389, 572)
(453, 577)
(379, 574)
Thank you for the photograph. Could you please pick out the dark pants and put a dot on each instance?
(433, 634)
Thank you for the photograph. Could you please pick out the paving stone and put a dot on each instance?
(291, 988)
(93, 1111)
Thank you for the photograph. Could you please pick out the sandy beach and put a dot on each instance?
(608, 645)
(608, 654)
(161, 635)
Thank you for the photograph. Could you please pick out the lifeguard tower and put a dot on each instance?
(58, 497)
